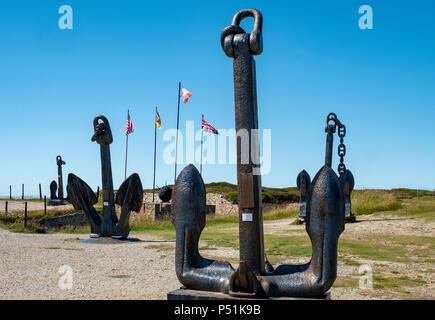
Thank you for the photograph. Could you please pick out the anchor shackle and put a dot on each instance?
(102, 131)
(234, 36)
(341, 127)
(59, 161)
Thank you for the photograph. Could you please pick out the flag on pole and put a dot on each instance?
(158, 120)
(185, 94)
(208, 127)
(129, 128)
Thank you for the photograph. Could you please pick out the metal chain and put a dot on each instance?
(341, 133)
(341, 149)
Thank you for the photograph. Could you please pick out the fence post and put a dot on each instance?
(40, 192)
(6, 207)
(98, 192)
(10, 192)
(45, 205)
(22, 191)
(25, 214)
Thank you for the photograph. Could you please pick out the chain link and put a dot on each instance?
(341, 149)
(341, 133)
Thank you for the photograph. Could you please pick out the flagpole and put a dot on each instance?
(202, 134)
(178, 125)
(126, 149)
(155, 143)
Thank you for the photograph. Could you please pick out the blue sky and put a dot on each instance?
(131, 54)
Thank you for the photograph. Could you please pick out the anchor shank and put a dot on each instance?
(249, 183)
(59, 176)
(329, 145)
(109, 214)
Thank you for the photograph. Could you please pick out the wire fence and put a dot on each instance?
(33, 191)
(24, 191)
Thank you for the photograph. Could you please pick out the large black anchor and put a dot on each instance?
(324, 198)
(60, 163)
(129, 195)
(346, 178)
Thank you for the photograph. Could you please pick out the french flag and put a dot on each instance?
(185, 94)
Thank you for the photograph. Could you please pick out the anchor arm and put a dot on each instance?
(129, 197)
(347, 181)
(83, 198)
(188, 217)
(303, 183)
(324, 224)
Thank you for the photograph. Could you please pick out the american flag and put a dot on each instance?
(129, 128)
(208, 127)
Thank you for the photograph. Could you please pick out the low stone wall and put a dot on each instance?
(75, 220)
(216, 205)
(281, 206)
(223, 206)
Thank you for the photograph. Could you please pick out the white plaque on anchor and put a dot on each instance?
(246, 216)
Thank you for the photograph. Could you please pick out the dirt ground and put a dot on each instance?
(30, 264)
(18, 206)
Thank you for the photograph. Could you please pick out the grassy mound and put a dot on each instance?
(370, 201)
(269, 195)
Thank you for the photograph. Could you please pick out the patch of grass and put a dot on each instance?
(278, 214)
(299, 246)
(120, 276)
(269, 195)
(295, 246)
(221, 187)
(371, 201)
(233, 197)
(162, 246)
(222, 221)
(59, 248)
(19, 227)
(278, 195)
(422, 208)
(162, 228)
(412, 193)
(346, 282)
(350, 262)
(429, 260)
(395, 282)
(73, 230)
(405, 240)
(221, 238)
(373, 251)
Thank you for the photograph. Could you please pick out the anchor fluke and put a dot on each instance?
(132, 192)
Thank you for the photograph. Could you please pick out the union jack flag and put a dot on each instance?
(129, 128)
(208, 127)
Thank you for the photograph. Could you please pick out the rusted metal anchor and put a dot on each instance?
(324, 199)
(346, 177)
(60, 163)
(129, 195)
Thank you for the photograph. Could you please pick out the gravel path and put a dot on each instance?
(29, 263)
(29, 268)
